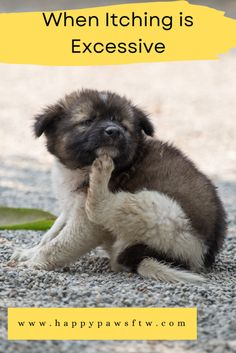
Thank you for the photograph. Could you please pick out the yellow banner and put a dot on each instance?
(102, 323)
(118, 34)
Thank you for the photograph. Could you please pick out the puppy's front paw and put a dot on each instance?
(35, 264)
(23, 254)
(30, 258)
(102, 166)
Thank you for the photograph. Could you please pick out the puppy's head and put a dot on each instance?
(88, 123)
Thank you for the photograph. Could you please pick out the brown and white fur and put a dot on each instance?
(145, 202)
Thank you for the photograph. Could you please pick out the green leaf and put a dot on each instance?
(25, 218)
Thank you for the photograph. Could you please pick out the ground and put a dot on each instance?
(193, 105)
(44, 5)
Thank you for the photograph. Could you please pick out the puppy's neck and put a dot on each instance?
(120, 177)
(77, 179)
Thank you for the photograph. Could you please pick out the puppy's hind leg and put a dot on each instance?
(149, 221)
(99, 197)
(119, 213)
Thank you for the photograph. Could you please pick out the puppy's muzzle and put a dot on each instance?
(114, 132)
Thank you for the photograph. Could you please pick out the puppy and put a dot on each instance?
(119, 187)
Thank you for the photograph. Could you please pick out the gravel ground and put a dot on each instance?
(192, 104)
(44, 5)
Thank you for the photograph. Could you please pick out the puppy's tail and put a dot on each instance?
(151, 268)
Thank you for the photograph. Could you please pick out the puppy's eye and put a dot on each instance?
(86, 122)
(125, 127)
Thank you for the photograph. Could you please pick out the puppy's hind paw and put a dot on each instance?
(98, 192)
(103, 165)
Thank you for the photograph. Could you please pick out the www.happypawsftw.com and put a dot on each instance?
(100, 324)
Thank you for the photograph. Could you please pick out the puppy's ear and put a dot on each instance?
(144, 122)
(45, 122)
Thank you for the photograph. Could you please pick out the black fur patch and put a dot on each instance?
(47, 121)
(215, 243)
(134, 254)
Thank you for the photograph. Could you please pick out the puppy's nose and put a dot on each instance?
(112, 131)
